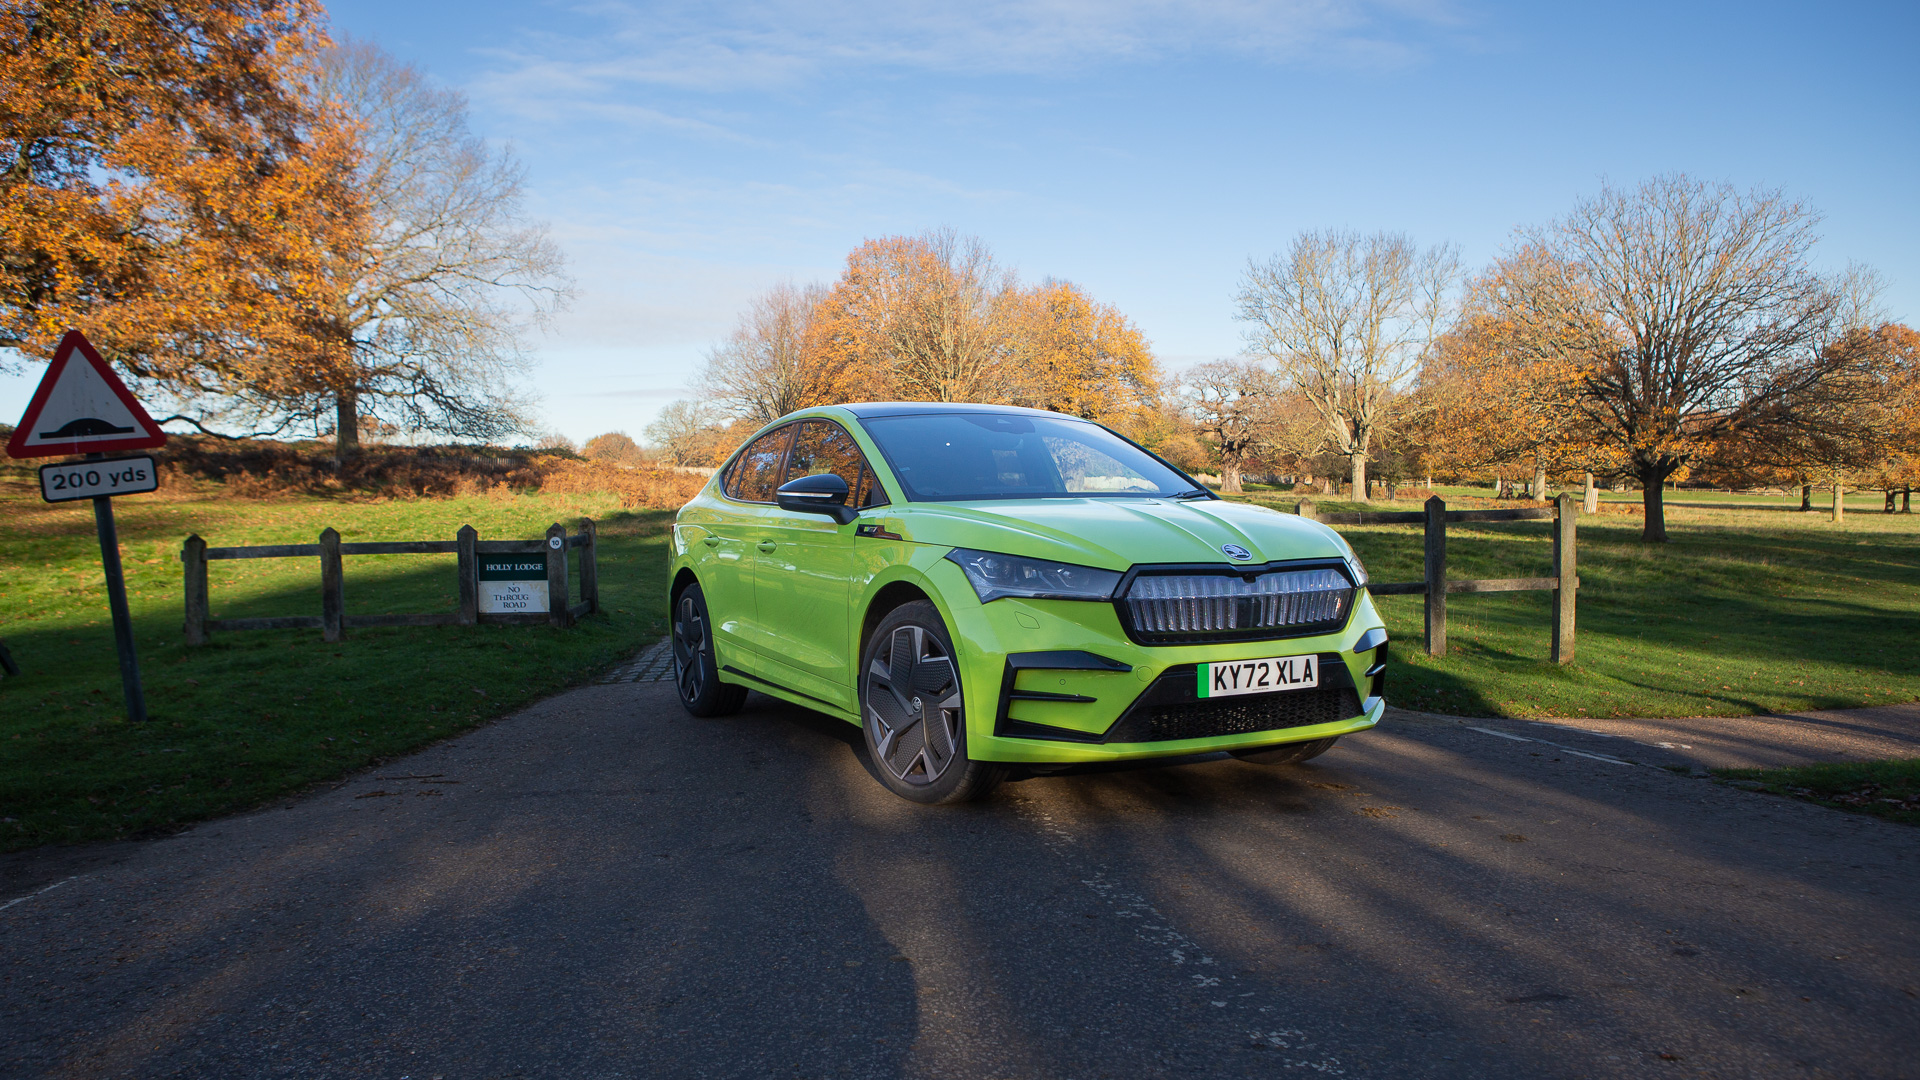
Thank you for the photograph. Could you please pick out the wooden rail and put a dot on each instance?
(1436, 585)
(333, 621)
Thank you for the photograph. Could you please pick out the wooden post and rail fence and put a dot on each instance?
(1435, 586)
(333, 621)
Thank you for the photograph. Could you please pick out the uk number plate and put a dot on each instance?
(1259, 676)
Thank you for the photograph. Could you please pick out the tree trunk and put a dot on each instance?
(1890, 507)
(1230, 477)
(1806, 498)
(1653, 499)
(1539, 479)
(1839, 502)
(1591, 504)
(1360, 477)
(1906, 500)
(346, 425)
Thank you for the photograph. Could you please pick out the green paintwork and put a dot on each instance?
(789, 594)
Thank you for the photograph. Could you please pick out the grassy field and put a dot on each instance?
(1750, 609)
(256, 715)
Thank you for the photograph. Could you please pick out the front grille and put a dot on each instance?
(1168, 608)
(1237, 716)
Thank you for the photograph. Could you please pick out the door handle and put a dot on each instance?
(712, 541)
(768, 546)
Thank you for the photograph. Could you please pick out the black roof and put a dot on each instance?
(871, 409)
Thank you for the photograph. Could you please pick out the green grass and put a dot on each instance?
(1884, 789)
(1745, 611)
(257, 715)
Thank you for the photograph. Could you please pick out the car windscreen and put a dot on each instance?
(950, 457)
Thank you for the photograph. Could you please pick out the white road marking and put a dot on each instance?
(1181, 950)
(31, 895)
(1555, 745)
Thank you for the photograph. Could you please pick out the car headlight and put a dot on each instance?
(994, 575)
(1359, 569)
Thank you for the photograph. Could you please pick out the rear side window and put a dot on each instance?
(822, 446)
(757, 472)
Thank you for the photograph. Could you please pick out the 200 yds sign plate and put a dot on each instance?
(89, 479)
(1259, 676)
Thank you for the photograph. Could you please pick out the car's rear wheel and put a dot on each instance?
(696, 669)
(1290, 754)
(913, 713)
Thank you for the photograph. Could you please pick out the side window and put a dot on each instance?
(757, 472)
(822, 446)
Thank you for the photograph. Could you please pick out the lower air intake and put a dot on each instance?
(1163, 721)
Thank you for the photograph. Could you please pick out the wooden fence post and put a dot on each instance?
(1565, 569)
(1305, 509)
(333, 588)
(590, 565)
(557, 576)
(469, 570)
(194, 555)
(1436, 576)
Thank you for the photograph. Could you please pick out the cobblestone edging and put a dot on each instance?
(651, 664)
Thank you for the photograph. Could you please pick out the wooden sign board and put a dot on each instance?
(513, 584)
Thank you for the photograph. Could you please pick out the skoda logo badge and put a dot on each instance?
(1235, 551)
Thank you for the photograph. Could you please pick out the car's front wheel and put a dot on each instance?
(1289, 754)
(696, 669)
(913, 713)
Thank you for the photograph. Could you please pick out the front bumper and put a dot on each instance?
(1068, 685)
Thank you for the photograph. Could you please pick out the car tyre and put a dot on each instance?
(912, 712)
(1290, 754)
(696, 670)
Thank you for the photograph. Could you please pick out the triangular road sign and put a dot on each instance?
(82, 408)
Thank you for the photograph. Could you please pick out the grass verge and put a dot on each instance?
(1746, 610)
(1883, 789)
(254, 716)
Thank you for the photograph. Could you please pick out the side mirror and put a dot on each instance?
(823, 494)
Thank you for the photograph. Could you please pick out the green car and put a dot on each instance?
(983, 589)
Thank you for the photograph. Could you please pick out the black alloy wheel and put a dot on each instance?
(696, 673)
(913, 713)
(1289, 754)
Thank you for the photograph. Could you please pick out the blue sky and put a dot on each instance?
(690, 155)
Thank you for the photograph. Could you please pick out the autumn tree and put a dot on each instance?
(1077, 356)
(1688, 312)
(1232, 404)
(167, 181)
(614, 448)
(1347, 319)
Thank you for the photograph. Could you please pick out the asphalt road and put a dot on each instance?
(604, 887)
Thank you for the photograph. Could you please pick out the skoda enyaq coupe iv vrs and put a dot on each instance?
(982, 588)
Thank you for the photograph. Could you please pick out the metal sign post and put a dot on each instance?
(82, 407)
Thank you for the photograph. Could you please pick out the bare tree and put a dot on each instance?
(768, 367)
(448, 277)
(1347, 319)
(1232, 404)
(689, 433)
(1688, 313)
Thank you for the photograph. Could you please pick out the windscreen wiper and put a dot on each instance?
(1196, 493)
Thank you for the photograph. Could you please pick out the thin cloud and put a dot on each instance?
(783, 43)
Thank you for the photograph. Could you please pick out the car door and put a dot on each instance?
(726, 568)
(805, 565)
